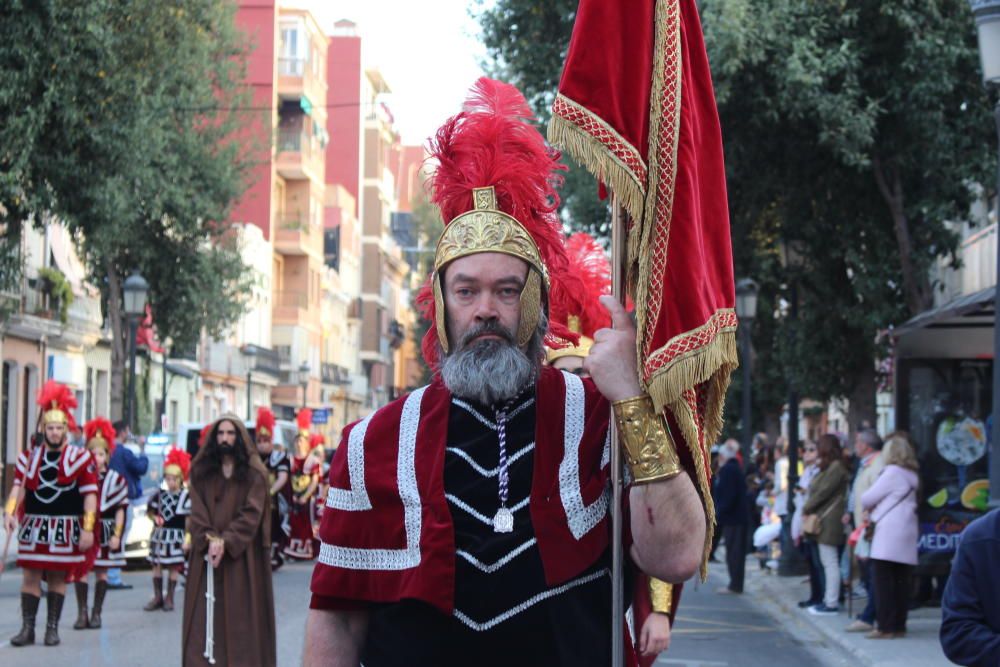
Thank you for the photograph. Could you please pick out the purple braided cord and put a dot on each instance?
(502, 433)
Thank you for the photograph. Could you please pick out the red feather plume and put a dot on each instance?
(317, 440)
(492, 142)
(180, 458)
(265, 420)
(102, 426)
(304, 419)
(579, 289)
(203, 435)
(58, 396)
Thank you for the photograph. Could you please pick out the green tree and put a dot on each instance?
(122, 120)
(853, 130)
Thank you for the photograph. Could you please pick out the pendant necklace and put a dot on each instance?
(503, 520)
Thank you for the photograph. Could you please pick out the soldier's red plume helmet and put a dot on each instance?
(495, 182)
(264, 425)
(99, 432)
(57, 403)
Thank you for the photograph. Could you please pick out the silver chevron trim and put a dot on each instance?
(490, 569)
(493, 472)
(484, 420)
(530, 602)
(488, 520)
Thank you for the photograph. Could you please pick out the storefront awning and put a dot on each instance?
(959, 329)
(970, 310)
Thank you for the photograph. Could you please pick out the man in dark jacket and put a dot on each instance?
(732, 514)
(970, 606)
(132, 468)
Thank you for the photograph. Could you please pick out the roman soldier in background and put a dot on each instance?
(317, 452)
(305, 483)
(278, 471)
(109, 548)
(58, 486)
(169, 544)
(575, 302)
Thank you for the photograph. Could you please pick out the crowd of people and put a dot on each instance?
(851, 514)
(69, 511)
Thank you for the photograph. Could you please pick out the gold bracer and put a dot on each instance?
(487, 229)
(11, 505)
(661, 594)
(119, 529)
(649, 449)
(88, 521)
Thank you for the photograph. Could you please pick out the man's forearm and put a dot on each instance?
(334, 638)
(668, 528)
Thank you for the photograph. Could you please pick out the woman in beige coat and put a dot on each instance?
(828, 499)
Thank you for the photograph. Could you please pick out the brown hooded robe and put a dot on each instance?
(244, 598)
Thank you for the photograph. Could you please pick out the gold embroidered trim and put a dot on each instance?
(601, 149)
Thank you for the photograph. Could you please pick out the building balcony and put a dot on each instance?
(296, 236)
(290, 307)
(299, 155)
(297, 80)
(334, 374)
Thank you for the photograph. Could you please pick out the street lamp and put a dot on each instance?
(791, 563)
(249, 351)
(134, 294)
(304, 380)
(987, 13)
(746, 311)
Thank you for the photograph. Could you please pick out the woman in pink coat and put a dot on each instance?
(891, 503)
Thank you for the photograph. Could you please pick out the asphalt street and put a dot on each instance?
(131, 637)
(711, 630)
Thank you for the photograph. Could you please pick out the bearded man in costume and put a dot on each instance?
(58, 487)
(230, 541)
(468, 522)
(278, 470)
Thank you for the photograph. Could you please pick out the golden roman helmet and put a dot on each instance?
(487, 229)
(582, 349)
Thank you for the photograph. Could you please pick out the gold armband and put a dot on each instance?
(649, 449)
(661, 595)
(89, 519)
(119, 529)
(10, 506)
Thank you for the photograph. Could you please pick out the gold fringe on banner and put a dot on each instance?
(596, 156)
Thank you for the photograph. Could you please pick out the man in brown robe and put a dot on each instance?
(229, 512)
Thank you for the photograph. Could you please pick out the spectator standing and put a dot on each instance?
(868, 449)
(808, 545)
(970, 606)
(732, 514)
(827, 499)
(132, 468)
(891, 503)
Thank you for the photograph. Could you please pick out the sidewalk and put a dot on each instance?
(11, 550)
(920, 647)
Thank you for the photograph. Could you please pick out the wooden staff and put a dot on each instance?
(209, 611)
(617, 484)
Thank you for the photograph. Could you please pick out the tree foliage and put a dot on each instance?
(853, 130)
(120, 120)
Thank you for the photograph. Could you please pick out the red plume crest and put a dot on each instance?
(579, 289)
(304, 419)
(316, 440)
(265, 420)
(492, 142)
(102, 427)
(180, 458)
(54, 395)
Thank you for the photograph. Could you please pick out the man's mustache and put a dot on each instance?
(490, 327)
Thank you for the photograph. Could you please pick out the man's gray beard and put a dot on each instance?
(490, 372)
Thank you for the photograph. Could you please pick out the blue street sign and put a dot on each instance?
(321, 416)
